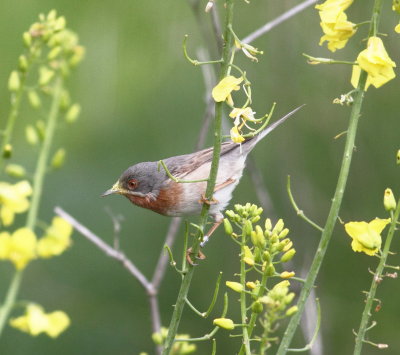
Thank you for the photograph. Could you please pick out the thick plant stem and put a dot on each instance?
(184, 289)
(10, 299)
(38, 180)
(337, 198)
(377, 278)
(332, 217)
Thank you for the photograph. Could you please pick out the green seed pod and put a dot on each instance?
(288, 255)
(58, 159)
(15, 170)
(257, 307)
(14, 82)
(228, 226)
(73, 113)
(34, 99)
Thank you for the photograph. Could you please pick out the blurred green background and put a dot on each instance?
(142, 101)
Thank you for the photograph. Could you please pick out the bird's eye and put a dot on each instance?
(132, 184)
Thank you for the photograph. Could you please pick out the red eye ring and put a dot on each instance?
(132, 184)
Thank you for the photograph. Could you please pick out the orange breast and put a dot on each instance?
(166, 203)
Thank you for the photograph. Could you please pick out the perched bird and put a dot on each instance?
(148, 185)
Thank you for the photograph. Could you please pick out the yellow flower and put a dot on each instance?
(19, 248)
(366, 236)
(13, 199)
(56, 239)
(376, 62)
(337, 33)
(36, 321)
(236, 136)
(244, 113)
(223, 89)
(397, 28)
(330, 10)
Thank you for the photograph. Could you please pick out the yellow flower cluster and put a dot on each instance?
(22, 246)
(13, 200)
(36, 321)
(376, 62)
(337, 30)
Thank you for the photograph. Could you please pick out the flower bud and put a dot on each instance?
(247, 228)
(287, 274)
(257, 237)
(388, 200)
(287, 246)
(14, 82)
(268, 224)
(235, 286)
(157, 338)
(7, 151)
(266, 257)
(248, 257)
(15, 170)
(31, 135)
(292, 310)
(269, 270)
(255, 219)
(73, 113)
(283, 234)
(228, 226)
(34, 99)
(58, 159)
(225, 323)
(22, 63)
(45, 75)
(251, 285)
(278, 226)
(289, 297)
(27, 39)
(288, 255)
(257, 307)
(53, 54)
(398, 157)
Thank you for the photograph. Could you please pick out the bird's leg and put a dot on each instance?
(211, 231)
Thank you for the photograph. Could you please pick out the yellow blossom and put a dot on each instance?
(376, 62)
(330, 10)
(337, 33)
(36, 321)
(223, 89)
(19, 248)
(397, 28)
(366, 236)
(13, 199)
(244, 113)
(56, 239)
(236, 136)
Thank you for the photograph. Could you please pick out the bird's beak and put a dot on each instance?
(116, 189)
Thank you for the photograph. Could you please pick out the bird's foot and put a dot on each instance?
(189, 255)
(207, 201)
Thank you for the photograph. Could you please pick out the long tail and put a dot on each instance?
(253, 141)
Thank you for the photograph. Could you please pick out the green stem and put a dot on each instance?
(337, 198)
(374, 284)
(10, 299)
(243, 306)
(41, 167)
(186, 281)
(332, 217)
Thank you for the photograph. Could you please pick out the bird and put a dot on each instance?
(149, 186)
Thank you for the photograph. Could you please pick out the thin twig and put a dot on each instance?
(277, 21)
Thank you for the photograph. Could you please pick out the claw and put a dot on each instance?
(205, 240)
(199, 256)
(205, 200)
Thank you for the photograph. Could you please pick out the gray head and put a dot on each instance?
(139, 180)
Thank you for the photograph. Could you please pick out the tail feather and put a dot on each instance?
(253, 141)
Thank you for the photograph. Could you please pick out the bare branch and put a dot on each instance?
(277, 21)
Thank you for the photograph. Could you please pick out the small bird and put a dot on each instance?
(149, 186)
